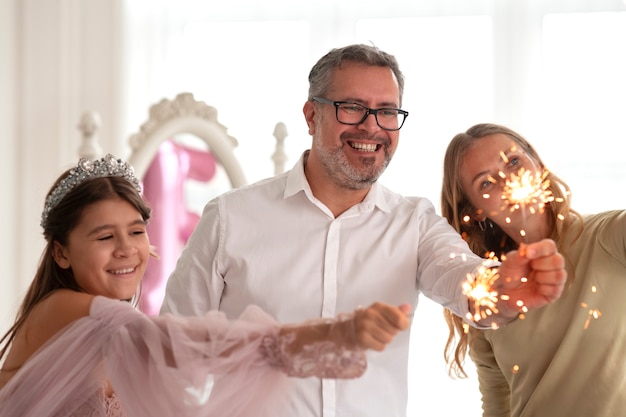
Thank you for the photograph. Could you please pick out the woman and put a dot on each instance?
(567, 358)
(79, 348)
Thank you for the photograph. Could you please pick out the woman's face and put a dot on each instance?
(108, 250)
(485, 167)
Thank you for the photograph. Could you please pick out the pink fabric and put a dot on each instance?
(172, 222)
(162, 366)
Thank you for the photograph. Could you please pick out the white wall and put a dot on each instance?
(9, 219)
(59, 59)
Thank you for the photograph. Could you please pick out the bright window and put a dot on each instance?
(582, 105)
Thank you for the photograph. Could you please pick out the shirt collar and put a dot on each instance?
(296, 182)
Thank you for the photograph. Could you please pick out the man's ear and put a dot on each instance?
(59, 253)
(310, 112)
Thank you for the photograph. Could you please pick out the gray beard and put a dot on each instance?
(344, 174)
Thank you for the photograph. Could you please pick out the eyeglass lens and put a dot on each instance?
(354, 114)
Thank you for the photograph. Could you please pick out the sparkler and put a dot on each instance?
(525, 190)
(479, 288)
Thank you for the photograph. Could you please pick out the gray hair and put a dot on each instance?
(320, 77)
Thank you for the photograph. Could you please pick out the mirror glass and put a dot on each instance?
(181, 178)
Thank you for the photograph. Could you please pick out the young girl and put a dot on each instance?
(567, 358)
(79, 348)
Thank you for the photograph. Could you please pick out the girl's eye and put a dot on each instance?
(138, 232)
(514, 161)
(105, 237)
(488, 182)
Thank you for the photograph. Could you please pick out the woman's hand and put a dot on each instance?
(532, 276)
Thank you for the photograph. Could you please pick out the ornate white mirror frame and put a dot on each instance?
(186, 115)
(183, 115)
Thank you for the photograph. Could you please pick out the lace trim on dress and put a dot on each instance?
(322, 359)
(112, 407)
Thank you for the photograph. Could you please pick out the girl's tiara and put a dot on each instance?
(108, 166)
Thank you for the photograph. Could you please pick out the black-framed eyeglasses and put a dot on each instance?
(348, 113)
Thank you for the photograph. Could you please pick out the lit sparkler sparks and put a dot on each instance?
(527, 189)
(594, 313)
(480, 289)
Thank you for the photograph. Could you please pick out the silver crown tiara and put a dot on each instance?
(109, 166)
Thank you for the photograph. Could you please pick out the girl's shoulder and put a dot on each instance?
(47, 318)
(62, 307)
(54, 313)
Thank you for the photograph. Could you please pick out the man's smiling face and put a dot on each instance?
(354, 156)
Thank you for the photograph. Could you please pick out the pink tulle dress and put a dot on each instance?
(165, 366)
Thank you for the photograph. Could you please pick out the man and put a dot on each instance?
(325, 238)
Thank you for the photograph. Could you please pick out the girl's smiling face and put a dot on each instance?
(484, 165)
(108, 250)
